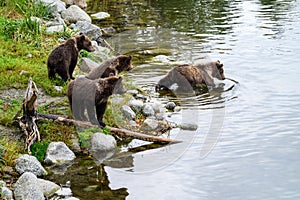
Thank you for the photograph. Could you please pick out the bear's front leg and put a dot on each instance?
(100, 109)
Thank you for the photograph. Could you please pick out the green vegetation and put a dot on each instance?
(25, 46)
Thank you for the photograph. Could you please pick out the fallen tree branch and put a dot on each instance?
(117, 131)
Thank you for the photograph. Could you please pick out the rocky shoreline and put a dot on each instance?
(59, 157)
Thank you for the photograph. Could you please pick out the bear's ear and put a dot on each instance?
(129, 58)
(82, 36)
(219, 64)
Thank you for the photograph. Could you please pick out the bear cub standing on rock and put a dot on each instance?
(63, 59)
(85, 94)
(113, 66)
(186, 78)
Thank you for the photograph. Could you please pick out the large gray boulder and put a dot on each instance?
(27, 187)
(27, 163)
(88, 29)
(58, 153)
(74, 14)
(102, 146)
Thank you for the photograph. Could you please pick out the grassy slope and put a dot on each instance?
(25, 47)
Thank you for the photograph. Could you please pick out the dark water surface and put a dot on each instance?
(247, 145)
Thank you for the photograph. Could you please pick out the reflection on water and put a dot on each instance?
(253, 125)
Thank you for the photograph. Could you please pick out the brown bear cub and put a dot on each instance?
(113, 66)
(63, 59)
(85, 94)
(186, 78)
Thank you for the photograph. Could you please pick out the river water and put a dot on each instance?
(247, 144)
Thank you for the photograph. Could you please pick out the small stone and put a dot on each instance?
(132, 91)
(58, 153)
(188, 126)
(158, 107)
(23, 72)
(54, 29)
(149, 124)
(140, 96)
(128, 112)
(133, 123)
(101, 15)
(5, 192)
(136, 105)
(29, 56)
(58, 88)
(177, 109)
(47, 187)
(148, 110)
(170, 105)
(160, 116)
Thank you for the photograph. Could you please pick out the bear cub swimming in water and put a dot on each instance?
(85, 94)
(185, 78)
(63, 59)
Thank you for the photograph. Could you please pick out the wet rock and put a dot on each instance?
(148, 110)
(27, 187)
(102, 146)
(27, 163)
(170, 105)
(188, 126)
(109, 31)
(101, 15)
(177, 109)
(90, 30)
(140, 96)
(47, 187)
(160, 116)
(128, 112)
(87, 65)
(132, 91)
(58, 153)
(136, 105)
(55, 29)
(74, 14)
(56, 5)
(158, 107)
(5, 192)
(149, 124)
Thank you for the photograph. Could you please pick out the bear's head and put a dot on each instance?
(83, 42)
(122, 63)
(218, 70)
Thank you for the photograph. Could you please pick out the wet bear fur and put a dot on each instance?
(63, 59)
(113, 66)
(187, 78)
(85, 94)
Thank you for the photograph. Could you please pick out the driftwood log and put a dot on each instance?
(30, 115)
(28, 121)
(123, 133)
